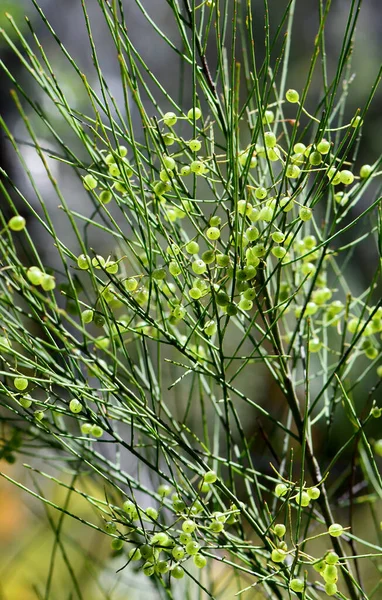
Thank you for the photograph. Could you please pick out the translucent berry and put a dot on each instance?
(280, 530)
(305, 213)
(292, 96)
(177, 572)
(365, 171)
(278, 555)
(281, 489)
(117, 544)
(48, 283)
(335, 530)
(75, 406)
(297, 585)
(323, 147)
(346, 177)
(332, 558)
(188, 526)
(210, 477)
(90, 183)
(194, 114)
(96, 431)
(105, 197)
(292, 172)
(194, 145)
(303, 499)
(270, 139)
(199, 561)
(331, 589)
(35, 275)
(20, 383)
(135, 554)
(213, 233)
(17, 223)
(170, 119)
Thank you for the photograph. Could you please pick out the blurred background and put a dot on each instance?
(27, 530)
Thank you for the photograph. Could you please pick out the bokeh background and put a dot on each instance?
(27, 529)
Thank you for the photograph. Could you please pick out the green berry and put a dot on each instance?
(365, 171)
(17, 223)
(48, 283)
(336, 530)
(35, 275)
(177, 572)
(162, 567)
(197, 166)
(261, 193)
(194, 145)
(297, 585)
(356, 121)
(87, 316)
(378, 447)
(320, 566)
(213, 233)
(192, 247)
(332, 558)
(299, 148)
(210, 328)
(331, 589)
(192, 548)
(135, 554)
(96, 431)
(160, 539)
(184, 538)
(292, 172)
(131, 284)
(305, 213)
(278, 252)
(86, 428)
(346, 177)
(280, 530)
(186, 170)
(315, 158)
(323, 147)
(278, 555)
(117, 544)
(146, 551)
(148, 569)
(303, 499)
(330, 573)
(178, 552)
(216, 526)
(270, 139)
(169, 119)
(199, 561)
(26, 401)
(75, 406)
(188, 526)
(20, 383)
(168, 139)
(169, 163)
(269, 117)
(292, 96)
(194, 114)
(281, 489)
(90, 183)
(199, 267)
(313, 493)
(110, 526)
(105, 197)
(210, 477)
(39, 415)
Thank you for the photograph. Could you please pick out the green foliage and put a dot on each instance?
(227, 222)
